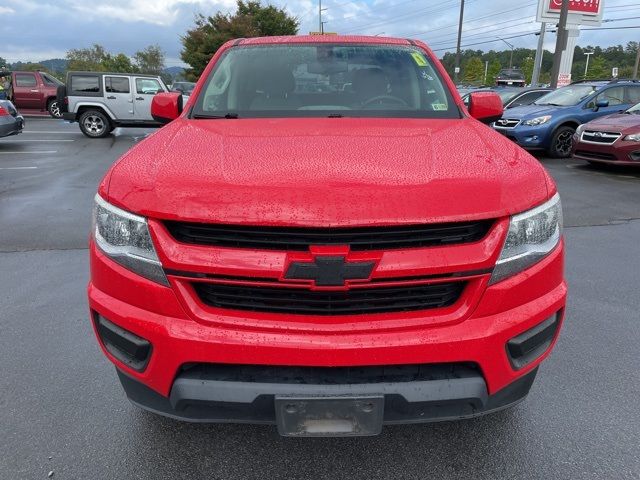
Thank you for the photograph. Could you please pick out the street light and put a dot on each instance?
(586, 67)
(510, 46)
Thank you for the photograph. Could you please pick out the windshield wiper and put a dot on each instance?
(335, 115)
(552, 104)
(207, 116)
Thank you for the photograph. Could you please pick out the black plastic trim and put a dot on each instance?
(528, 346)
(130, 349)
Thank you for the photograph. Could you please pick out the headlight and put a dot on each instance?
(634, 137)
(580, 129)
(537, 120)
(124, 237)
(532, 235)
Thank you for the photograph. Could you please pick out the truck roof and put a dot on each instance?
(82, 72)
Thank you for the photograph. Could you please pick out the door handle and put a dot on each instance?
(111, 97)
(35, 91)
(139, 98)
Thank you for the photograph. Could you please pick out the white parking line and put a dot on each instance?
(17, 168)
(46, 131)
(33, 151)
(41, 140)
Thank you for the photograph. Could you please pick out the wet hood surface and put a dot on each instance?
(326, 172)
(618, 122)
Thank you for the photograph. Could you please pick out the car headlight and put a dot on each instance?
(537, 120)
(532, 236)
(124, 237)
(634, 137)
(580, 129)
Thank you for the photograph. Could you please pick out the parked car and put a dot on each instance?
(185, 88)
(515, 97)
(512, 77)
(34, 91)
(550, 122)
(11, 122)
(614, 139)
(330, 261)
(101, 101)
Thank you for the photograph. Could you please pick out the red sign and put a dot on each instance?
(577, 6)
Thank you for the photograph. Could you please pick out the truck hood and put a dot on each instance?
(326, 172)
(618, 122)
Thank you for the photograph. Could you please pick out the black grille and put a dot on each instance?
(328, 375)
(595, 155)
(361, 238)
(322, 302)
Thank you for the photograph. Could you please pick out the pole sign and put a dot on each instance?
(581, 12)
(564, 79)
(614, 72)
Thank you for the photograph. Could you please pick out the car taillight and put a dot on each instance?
(3, 112)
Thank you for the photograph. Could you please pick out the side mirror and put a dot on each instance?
(601, 104)
(485, 106)
(166, 106)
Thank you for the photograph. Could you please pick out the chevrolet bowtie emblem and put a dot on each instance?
(328, 271)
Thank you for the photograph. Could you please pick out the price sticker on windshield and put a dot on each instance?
(419, 59)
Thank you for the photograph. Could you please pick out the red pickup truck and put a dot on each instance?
(34, 91)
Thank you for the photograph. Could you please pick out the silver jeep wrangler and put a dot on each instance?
(101, 101)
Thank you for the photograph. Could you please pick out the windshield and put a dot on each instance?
(566, 96)
(512, 74)
(635, 109)
(324, 80)
(505, 95)
(49, 80)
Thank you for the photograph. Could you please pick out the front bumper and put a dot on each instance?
(452, 393)
(181, 338)
(619, 153)
(530, 138)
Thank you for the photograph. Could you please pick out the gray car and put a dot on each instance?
(11, 122)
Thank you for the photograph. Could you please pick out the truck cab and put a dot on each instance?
(34, 91)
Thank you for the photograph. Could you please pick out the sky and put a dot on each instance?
(33, 30)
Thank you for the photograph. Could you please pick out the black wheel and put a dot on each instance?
(561, 142)
(54, 109)
(94, 124)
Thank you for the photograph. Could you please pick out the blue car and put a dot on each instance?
(549, 123)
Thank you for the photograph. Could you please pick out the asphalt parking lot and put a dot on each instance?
(62, 409)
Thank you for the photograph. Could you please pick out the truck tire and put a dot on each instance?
(94, 124)
(561, 142)
(53, 107)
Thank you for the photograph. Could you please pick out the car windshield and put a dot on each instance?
(303, 80)
(511, 74)
(635, 109)
(566, 96)
(506, 95)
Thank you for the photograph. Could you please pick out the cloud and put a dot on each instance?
(6, 10)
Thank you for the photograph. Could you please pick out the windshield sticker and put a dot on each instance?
(438, 106)
(419, 59)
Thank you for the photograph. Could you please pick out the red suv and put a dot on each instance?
(324, 238)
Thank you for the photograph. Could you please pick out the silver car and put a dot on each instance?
(102, 101)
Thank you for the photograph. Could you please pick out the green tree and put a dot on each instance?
(598, 68)
(119, 63)
(474, 70)
(494, 69)
(88, 59)
(250, 20)
(150, 60)
(527, 68)
(3, 64)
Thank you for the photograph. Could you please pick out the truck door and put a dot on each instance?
(146, 88)
(26, 91)
(118, 96)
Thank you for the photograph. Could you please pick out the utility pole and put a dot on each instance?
(457, 66)
(635, 68)
(537, 63)
(561, 43)
(586, 67)
(486, 70)
(320, 22)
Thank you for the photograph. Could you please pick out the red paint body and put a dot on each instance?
(327, 172)
(621, 151)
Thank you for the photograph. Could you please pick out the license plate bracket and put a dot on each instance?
(339, 416)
